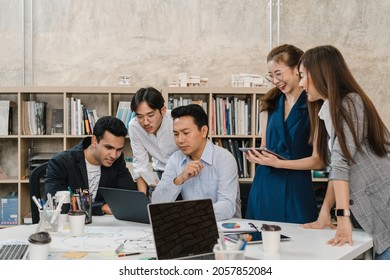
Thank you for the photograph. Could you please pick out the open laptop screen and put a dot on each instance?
(183, 228)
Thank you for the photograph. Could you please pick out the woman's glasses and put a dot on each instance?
(278, 76)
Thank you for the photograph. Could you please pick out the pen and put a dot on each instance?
(58, 210)
(42, 202)
(249, 238)
(120, 247)
(39, 205)
(222, 240)
(49, 201)
(128, 254)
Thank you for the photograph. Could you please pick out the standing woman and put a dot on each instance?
(349, 127)
(282, 190)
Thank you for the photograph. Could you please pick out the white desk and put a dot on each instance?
(305, 244)
(310, 244)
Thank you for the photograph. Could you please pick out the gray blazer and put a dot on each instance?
(368, 177)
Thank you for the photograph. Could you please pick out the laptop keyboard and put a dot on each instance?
(13, 252)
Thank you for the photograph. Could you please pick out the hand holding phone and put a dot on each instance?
(261, 149)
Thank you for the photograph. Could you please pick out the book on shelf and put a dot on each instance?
(231, 116)
(87, 125)
(34, 117)
(9, 209)
(57, 121)
(81, 120)
(92, 117)
(7, 108)
(233, 143)
(124, 112)
(249, 119)
(244, 143)
(181, 101)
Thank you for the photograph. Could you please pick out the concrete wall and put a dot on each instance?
(92, 42)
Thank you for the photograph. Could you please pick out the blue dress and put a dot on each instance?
(285, 195)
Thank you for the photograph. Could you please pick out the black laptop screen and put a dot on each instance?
(183, 228)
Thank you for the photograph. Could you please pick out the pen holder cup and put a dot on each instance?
(65, 206)
(48, 220)
(76, 222)
(230, 253)
(82, 202)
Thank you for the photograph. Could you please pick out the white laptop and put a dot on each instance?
(184, 229)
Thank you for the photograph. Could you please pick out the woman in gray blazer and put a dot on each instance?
(353, 139)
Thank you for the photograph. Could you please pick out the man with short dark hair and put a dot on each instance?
(200, 169)
(97, 161)
(150, 134)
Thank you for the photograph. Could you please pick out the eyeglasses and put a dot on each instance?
(150, 117)
(278, 76)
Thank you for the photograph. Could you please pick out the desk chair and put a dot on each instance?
(245, 188)
(35, 185)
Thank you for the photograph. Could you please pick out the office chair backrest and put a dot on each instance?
(35, 189)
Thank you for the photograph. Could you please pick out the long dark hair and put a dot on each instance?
(334, 81)
(289, 55)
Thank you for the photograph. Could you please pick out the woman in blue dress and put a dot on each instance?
(282, 190)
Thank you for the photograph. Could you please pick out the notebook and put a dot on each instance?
(184, 229)
(127, 205)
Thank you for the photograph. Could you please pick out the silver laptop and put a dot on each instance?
(127, 205)
(184, 229)
(14, 251)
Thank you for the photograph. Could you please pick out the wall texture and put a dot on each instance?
(92, 42)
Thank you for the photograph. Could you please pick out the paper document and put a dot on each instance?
(236, 227)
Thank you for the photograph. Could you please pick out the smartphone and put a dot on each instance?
(256, 237)
(260, 149)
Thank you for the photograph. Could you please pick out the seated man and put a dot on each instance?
(199, 169)
(95, 162)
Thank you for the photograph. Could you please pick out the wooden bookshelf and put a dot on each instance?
(15, 148)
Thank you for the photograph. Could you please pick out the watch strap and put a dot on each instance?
(342, 213)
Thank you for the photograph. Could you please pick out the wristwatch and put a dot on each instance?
(342, 213)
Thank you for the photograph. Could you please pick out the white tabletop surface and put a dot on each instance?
(305, 244)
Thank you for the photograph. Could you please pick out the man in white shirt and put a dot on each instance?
(200, 169)
(151, 134)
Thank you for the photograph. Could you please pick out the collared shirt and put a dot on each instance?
(324, 114)
(218, 180)
(159, 147)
